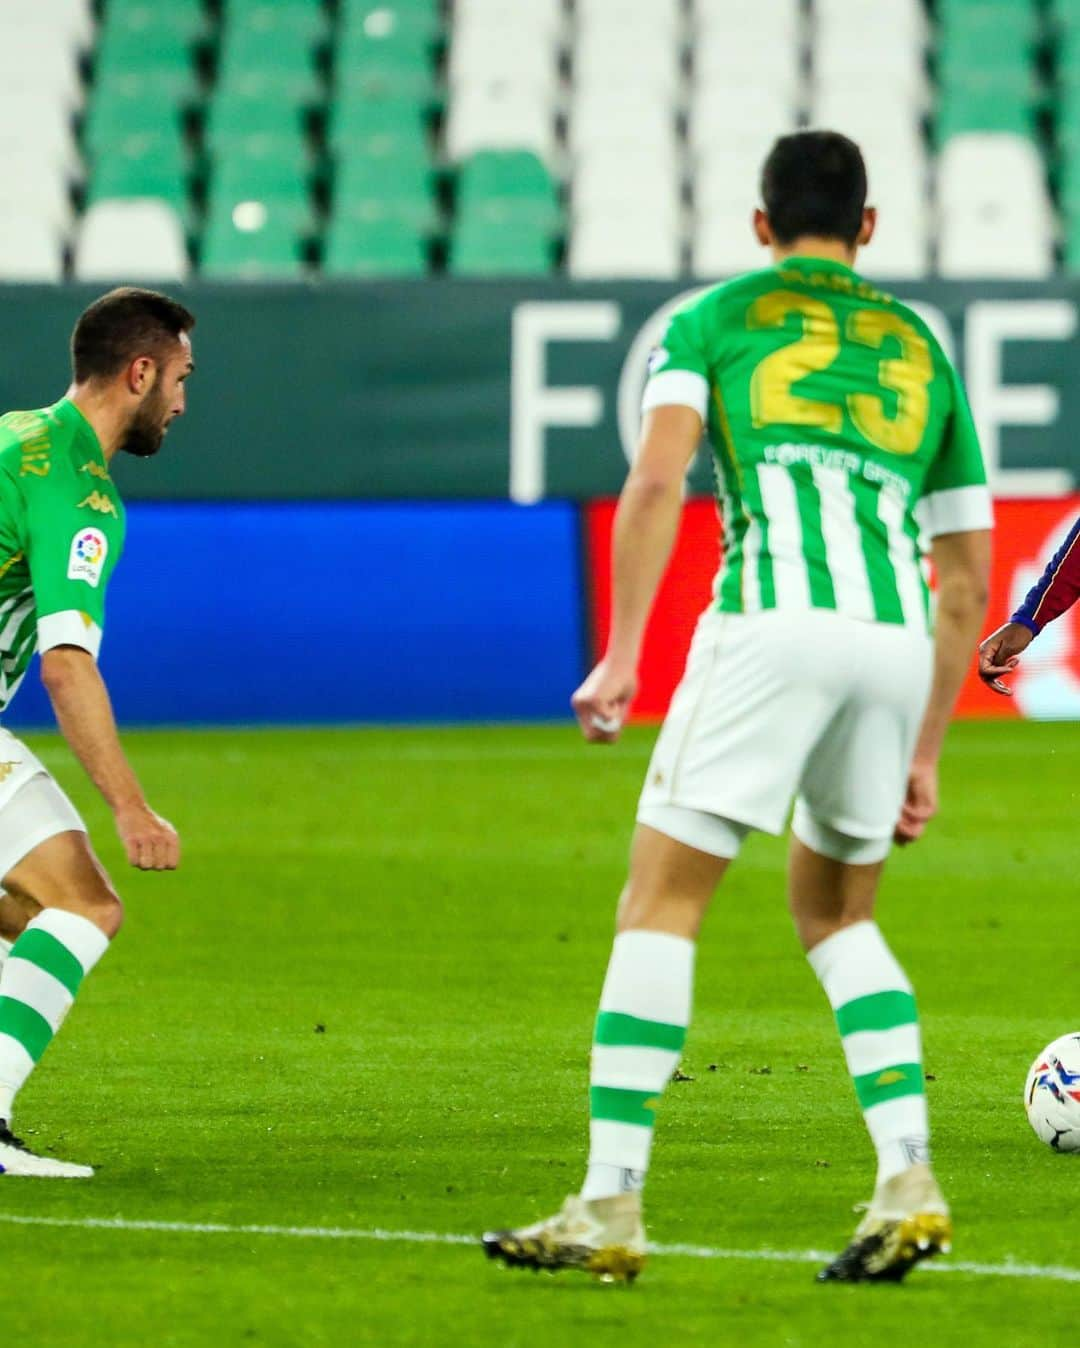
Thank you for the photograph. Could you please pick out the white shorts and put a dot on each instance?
(32, 806)
(777, 707)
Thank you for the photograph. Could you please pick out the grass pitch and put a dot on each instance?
(365, 1002)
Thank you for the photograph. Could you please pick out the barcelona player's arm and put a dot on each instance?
(1055, 592)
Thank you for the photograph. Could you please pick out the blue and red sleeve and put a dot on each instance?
(1057, 589)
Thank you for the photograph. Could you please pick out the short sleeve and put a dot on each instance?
(678, 370)
(70, 560)
(956, 498)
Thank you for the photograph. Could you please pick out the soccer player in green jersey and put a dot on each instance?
(841, 439)
(61, 534)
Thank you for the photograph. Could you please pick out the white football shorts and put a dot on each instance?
(32, 805)
(782, 706)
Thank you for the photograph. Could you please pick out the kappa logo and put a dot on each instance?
(6, 769)
(98, 501)
(89, 548)
(658, 358)
(95, 470)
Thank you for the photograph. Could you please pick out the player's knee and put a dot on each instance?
(100, 905)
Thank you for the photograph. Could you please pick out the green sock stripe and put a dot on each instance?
(904, 1078)
(618, 1106)
(879, 1011)
(614, 1030)
(25, 1025)
(43, 949)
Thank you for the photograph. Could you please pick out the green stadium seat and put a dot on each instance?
(390, 15)
(183, 18)
(270, 247)
(113, 120)
(272, 32)
(480, 248)
(505, 173)
(373, 248)
(379, 127)
(231, 121)
(988, 101)
(242, 176)
(143, 165)
(376, 189)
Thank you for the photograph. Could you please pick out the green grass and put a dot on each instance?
(366, 1001)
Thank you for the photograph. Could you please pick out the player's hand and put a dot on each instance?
(1000, 653)
(151, 843)
(602, 701)
(920, 803)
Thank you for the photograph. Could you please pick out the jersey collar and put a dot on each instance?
(71, 417)
(810, 263)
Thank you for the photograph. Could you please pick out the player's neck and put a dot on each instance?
(824, 250)
(108, 422)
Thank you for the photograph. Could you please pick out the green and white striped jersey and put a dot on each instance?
(61, 534)
(842, 439)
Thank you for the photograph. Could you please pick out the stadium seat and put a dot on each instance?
(620, 246)
(30, 250)
(131, 240)
(32, 186)
(368, 188)
(373, 248)
(486, 247)
(142, 166)
(723, 115)
(252, 241)
(387, 128)
(995, 213)
(648, 186)
(499, 116)
(608, 117)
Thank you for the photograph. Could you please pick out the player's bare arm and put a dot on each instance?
(1053, 594)
(84, 714)
(962, 564)
(646, 524)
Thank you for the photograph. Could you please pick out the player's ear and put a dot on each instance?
(869, 224)
(141, 374)
(762, 230)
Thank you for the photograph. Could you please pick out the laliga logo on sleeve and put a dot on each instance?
(89, 548)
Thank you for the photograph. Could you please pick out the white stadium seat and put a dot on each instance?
(598, 120)
(724, 115)
(602, 63)
(603, 246)
(139, 240)
(995, 216)
(637, 181)
(724, 245)
(500, 117)
(30, 248)
(781, 20)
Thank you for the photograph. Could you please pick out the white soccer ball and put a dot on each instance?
(1052, 1094)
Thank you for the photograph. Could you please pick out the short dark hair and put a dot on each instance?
(814, 184)
(122, 325)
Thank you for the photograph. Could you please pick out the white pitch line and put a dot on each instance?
(1009, 1269)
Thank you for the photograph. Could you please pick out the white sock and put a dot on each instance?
(640, 1031)
(879, 1029)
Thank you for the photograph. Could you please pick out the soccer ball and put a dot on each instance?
(1052, 1094)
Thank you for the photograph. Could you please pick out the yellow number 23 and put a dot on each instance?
(815, 349)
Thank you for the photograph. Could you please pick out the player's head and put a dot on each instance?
(134, 347)
(813, 187)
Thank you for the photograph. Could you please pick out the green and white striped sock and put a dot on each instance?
(37, 987)
(640, 1031)
(879, 1028)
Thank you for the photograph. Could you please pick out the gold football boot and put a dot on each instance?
(907, 1221)
(604, 1237)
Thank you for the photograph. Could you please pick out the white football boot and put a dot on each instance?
(16, 1158)
(604, 1237)
(907, 1221)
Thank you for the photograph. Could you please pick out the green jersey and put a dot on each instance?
(841, 435)
(61, 533)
